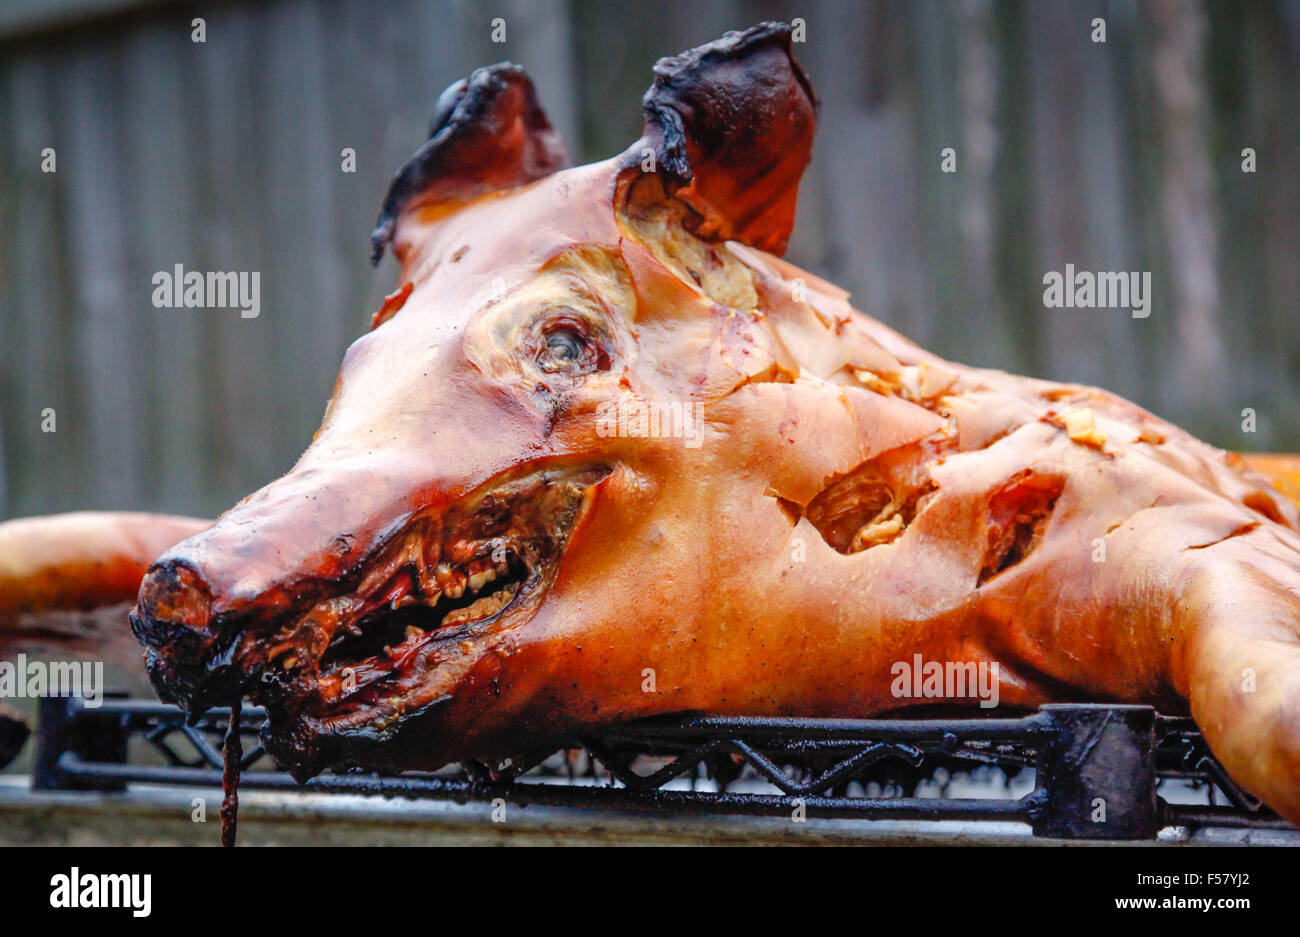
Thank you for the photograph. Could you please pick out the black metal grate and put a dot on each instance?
(1097, 767)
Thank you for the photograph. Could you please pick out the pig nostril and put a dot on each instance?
(173, 619)
(173, 596)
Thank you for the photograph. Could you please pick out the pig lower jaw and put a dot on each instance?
(362, 649)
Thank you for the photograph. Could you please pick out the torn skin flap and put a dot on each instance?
(806, 434)
(1018, 516)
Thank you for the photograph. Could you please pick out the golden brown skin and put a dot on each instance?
(852, 501)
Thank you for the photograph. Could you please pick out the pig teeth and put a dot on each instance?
(457, 617)
(485, 606)
(442, 574)
(429, 585)
(471, 612)
(413, 633)
(455, 586)
(479, 608)
(480, 579)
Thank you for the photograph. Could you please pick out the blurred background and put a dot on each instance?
(226, 155)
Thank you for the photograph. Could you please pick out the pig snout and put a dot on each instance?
(173, 620)
(267, 560)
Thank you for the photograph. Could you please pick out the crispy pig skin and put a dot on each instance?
(844, 501)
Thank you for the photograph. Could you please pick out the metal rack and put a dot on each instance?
(1097, 767)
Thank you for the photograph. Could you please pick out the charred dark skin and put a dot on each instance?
(487, 550)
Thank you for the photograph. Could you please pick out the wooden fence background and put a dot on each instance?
(1123, 155)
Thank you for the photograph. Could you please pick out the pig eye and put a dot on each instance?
(566, 348)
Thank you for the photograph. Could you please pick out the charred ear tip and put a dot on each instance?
(737, 44)
(675, 72)
(379, 239)
(493, 79)
(731, 123)
(462, 113)
(496, 77)
(382, 235)
(775, 32)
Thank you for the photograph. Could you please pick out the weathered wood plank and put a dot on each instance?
(226, 156)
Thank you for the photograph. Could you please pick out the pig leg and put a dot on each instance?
(68, 580)
(1241, 661)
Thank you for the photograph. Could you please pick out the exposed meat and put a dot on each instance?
(1018, 515)
(606, 458)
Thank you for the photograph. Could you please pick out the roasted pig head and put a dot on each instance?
(603, 455)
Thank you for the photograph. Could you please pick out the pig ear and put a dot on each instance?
(488, 132)
(731, 126)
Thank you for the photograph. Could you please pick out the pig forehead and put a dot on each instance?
(507, 236)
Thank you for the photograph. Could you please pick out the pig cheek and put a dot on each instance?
(480, 692)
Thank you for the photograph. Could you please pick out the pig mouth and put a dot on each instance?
(343, 664)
